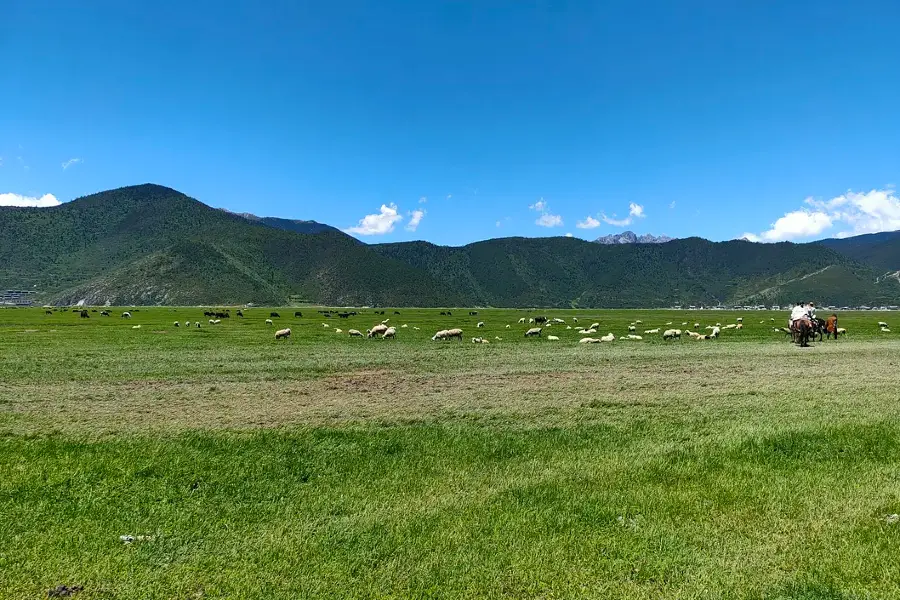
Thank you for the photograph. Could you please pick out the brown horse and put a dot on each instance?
(801, 330)
(831, 326)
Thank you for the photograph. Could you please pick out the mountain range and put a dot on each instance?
(630, 237)
(149, 244)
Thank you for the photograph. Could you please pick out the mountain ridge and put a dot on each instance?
(151, 244)
(630, 237)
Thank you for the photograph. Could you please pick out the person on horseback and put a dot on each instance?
(811, 311)
(798, 312)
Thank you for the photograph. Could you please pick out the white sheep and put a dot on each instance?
(740, 319)
(507, 326)
(714, 333)
(651, 331)
(479, 340)
(404, 326)
(187, 323)
(632, 328)
(588, 331)
(440, 335)
(631, 336)
(326, 325)
(216, 321)
(885, 330)
(268, 321)
(480, 324)
(534, 331)
(530, 320)
(126, 315)
(552, 338)
(594, 326)
(135, 326)
(454, 333)
(638, 322)
(177, 324)
(882, 324)
(390, 332)
(522, 320)
(588, 340)
(841, 331)
(740, 326)
(498, 338)
(575, 319)
(558, 320)
(339, 330)
(211, 322)
(609, 337)
(671, 334)
(282, 333)
(355, 333)
(385, 321)
(669, 323)
(376, 330)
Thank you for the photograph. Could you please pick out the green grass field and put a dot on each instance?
(324, 466)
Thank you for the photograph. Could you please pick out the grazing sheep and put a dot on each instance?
(651, 331)
(135, 326)
(240, 313)
(740, 319)
(841, 331)
(282, 333)
(671, 334)
(404, 326)
(416, 328)
(530, 321)
(126, 315)
(591, 331)
(730, 326)
(701, 337)
(575, 319)
(638, 322)
(325, 325)
(594, 326)
(714, 334)
(268, 321)
(684, 324)
(632, 328)
(558, 320)
(631, 336)
(479, 340)
(568, 327)
(522, 320)
(669, 323)
(885, 330)
(198, 324)
(882, 324)
(692, 334)
(390, 332)
(440, 335)
(507, 326)
(376, 330)
(740, 326)
(338, 330)
(454, 333)
(187, 323)
(480, 324)
(216, 321)
(609, 337)
(696, 325)
(211, 322)
(588, 340)
(533, 331)
(177, 324)
(552, 338)
(498, 338)
(355, 333)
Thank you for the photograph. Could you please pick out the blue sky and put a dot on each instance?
(717, 119)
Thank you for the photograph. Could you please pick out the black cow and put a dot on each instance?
(343, 315)
(473, 313)
(48, 312)
(85, 315)
(538, 320)
(298, 314)
(240, 313)
(274, 315)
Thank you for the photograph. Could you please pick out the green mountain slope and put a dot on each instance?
(570, 272)
(881, 251)
(149, 244)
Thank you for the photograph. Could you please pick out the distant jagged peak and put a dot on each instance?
(630, 237)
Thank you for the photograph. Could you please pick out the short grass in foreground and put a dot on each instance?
(328, 467)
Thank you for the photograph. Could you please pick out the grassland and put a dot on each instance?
(324, 466)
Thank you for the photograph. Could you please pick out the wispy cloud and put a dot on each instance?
(449, 196)
(10, 199)
(423, 199)
(855, 213)
(635, 211)
(415, 217)
(588, 223)
(70, 162)
(672, 204)
(379, 223)
(546, 219)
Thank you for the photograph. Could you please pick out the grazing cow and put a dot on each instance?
(48, 312)
(396, 312)
(298, 314)
(473, 313)
(344, 315)
(274, 315)
(84, 315)
(540, 320)
(240, 313)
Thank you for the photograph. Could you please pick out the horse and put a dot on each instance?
(831, 326)
(818, 327)
(801, 330)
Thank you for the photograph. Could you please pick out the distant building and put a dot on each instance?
(17, 297)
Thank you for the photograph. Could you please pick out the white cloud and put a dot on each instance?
(423, 200)
(569, 235)
(377, 224)
(70, 162)
(546, 219)
(44, 201)
(499, 223)
(855, 212)
(672, 204)
(635, 211)
(415, 217)
(588, 223)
